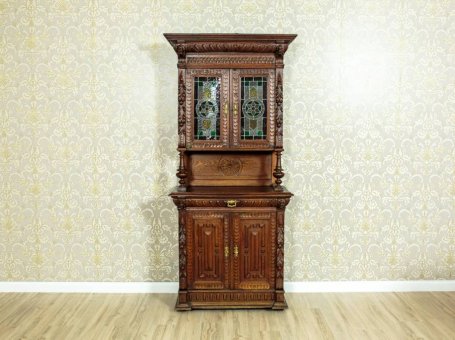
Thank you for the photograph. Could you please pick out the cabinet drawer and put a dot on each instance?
(235, 202)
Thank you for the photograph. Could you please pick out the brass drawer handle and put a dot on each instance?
(231, 203)
(226, 251)
(236, 251)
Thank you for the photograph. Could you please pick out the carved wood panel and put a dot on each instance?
(230, 169)
(254, 234)
(231, 296)
(207, 250)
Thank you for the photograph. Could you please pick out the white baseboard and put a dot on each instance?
(89, 287)
(172, 287)
(370, 286)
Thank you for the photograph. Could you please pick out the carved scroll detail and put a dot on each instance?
(280, 249)
(215, 46)
(230, 296)
(279, 110)
(236, 101)
(231, 60)
(182, 250)
(182, 109)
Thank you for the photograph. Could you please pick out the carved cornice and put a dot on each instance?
(231, 60)
(240, 43)
(240, 47)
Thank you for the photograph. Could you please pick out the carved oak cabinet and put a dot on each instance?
(230, 199)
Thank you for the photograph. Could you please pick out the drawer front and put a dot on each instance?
(233, 202)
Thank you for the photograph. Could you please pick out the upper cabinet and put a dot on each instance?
(230, 108)
(230, 90)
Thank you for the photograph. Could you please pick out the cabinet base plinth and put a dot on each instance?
(181, 307)
(230, 300)
(280, 305)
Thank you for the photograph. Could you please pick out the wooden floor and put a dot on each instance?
(151, 316)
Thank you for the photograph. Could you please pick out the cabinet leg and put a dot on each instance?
(182, 302)
(280, 301)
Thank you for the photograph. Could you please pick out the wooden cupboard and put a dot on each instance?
(230, 197)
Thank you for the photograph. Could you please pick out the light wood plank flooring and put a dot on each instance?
(151, 316)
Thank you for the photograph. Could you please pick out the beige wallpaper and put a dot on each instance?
(88, 104)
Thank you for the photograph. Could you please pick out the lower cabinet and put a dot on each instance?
(231, 250)
(230, 258)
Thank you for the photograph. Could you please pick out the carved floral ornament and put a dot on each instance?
(183, 48)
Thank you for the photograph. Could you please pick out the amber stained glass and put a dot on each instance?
(207, 108)
(253, 104)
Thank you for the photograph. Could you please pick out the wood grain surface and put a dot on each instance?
(152, 316)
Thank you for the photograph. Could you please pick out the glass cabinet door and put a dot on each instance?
(207, 103)
(253, 108)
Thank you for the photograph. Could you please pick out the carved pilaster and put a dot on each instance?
(182, 109)
(280, 300)
(279, 109)
(280, 249)
(182, 249)
(182, 300)
(236, 100)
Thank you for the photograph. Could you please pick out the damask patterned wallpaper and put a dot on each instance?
(88, 104)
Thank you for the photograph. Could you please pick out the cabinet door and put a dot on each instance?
(254, 249)
(207, 260)
(207, 109)
(253, 112)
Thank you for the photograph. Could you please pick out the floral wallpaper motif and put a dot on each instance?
(88, 130)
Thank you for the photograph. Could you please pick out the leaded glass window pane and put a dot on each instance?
(253, 105)
(207, 108)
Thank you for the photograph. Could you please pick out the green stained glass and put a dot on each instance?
(253, 103)
(207, 108)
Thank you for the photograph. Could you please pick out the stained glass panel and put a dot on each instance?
(253, 103)
(207, 108)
